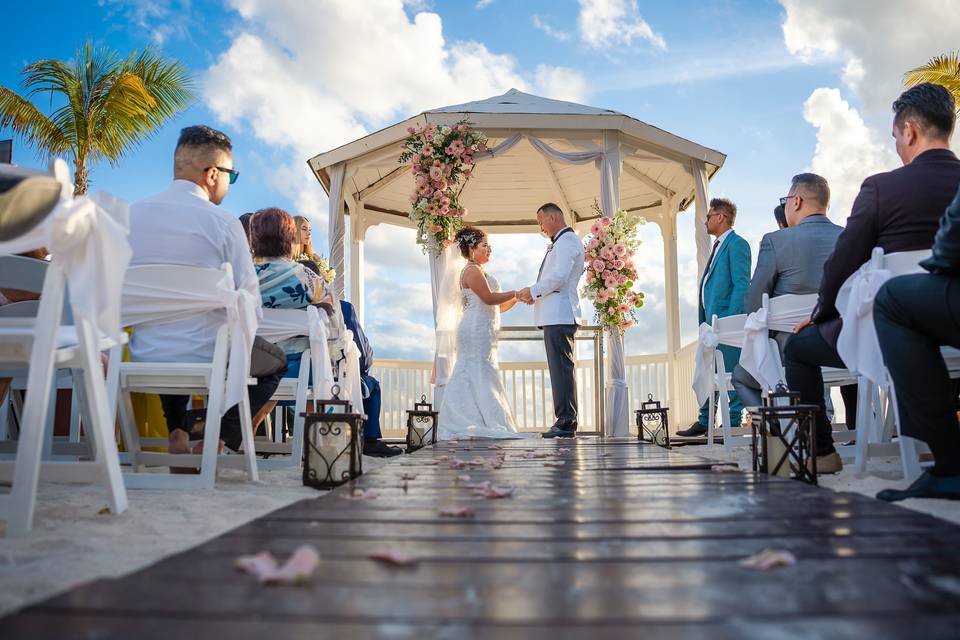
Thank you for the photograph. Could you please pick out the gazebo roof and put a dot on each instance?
(505, 192)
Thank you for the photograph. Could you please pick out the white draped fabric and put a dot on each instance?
(857, 344)
(760, 355)
(151, 302)
(609, 160)
(335, 226)
(87, 236)
(702, 202)
(704, 361)
(280, 324)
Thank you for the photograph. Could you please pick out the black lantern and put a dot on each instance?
(421, 425)
(652, 423)
(333, 447)
(784, 437)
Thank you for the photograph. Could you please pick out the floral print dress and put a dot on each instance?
(287, 284)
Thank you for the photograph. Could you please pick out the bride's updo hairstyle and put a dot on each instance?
(468, 238)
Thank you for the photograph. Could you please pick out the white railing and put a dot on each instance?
(527, 384)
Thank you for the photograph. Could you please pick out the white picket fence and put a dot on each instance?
(403, 382)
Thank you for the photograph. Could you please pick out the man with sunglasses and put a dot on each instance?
(185, 226)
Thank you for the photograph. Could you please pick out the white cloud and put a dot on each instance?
(605, 24)
(483, 4)
(874, 43)
(556, 34)
(847, 150)
(307, 77)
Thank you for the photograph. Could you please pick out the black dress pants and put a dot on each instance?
(175, 409)
(558, 341)
(803, 356)
(914, 316)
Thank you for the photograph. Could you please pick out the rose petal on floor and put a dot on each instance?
(456, 512)
(724, 468)
(769, 559)
(393, 557)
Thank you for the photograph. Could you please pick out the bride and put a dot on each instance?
(474, 401)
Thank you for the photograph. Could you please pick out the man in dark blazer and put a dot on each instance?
(722, 287)
(791, 262)
(898, 211)
(915, 315)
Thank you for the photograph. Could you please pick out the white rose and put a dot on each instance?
(445, 130)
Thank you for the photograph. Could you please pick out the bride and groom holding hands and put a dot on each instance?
(470, 301)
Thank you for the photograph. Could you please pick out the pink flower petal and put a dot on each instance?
(299, 567)
(724, 468)
(456, 512)
(769, 559)
(494, 493)
(463, 477)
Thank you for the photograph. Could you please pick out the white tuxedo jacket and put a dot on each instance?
(555, 296)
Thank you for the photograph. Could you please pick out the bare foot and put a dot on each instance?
(199, 448)
(179, 442)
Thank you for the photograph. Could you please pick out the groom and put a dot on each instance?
(556, 309)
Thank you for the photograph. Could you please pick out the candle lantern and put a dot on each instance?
(421, 425)
(784, 436)
(333, 447)
(652, 423)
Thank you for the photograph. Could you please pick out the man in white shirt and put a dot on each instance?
(184, 226)
(557, 311)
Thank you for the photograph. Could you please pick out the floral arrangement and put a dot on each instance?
(609, 252)
(440, 158)
(327, 272)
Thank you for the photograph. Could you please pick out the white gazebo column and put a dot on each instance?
(671, 277)
(617, 402)
(358, 230)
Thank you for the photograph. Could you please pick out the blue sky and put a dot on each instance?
(780, 87)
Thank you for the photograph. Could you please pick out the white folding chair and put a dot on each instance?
(875, 422)
(729, 332)
(183, 293)
(43, 344)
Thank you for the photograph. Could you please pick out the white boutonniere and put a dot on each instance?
(549, 247)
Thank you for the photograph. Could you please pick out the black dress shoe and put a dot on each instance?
(25, 202)
(696, 429)
(559, 432)
(926, 486)
(376, 448)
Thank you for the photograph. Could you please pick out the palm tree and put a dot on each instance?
(109, 104)
(944, 70)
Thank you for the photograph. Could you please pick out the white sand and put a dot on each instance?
(72, 543)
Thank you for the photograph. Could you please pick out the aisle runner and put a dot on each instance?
(599, 539)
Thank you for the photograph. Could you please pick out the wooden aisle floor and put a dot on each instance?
(622, 540)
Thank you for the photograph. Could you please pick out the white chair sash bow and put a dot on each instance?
(144, 303)
(756, 357)
(280, 324)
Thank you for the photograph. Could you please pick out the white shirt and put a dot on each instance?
(719, 243)
(181, 226)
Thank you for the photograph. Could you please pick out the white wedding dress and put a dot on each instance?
(474, 400)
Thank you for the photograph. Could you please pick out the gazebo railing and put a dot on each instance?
(527, 384)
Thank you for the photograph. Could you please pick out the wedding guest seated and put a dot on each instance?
(245, 221)
(898, 211)
(915, 315)
(185, 226)
(303, 252)
(791, 262)
(288, 284)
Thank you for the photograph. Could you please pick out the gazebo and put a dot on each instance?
(541, 150)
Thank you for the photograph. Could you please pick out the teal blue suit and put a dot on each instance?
(724, 288)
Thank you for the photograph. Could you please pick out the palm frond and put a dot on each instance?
(27, 121)
(943, 70)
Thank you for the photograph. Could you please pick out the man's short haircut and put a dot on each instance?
(725, 206)
(202, 145)
(551, 209)
(812, 187)
(272, 233)
(931, 106)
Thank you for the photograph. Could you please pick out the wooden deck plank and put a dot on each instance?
(622, 539)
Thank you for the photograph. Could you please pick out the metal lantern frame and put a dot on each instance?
(422, 413)
(790, 427)
(652, 423)
(331, 418)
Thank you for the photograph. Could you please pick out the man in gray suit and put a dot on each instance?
(790, 261)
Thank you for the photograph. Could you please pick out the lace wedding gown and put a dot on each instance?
(474, 400)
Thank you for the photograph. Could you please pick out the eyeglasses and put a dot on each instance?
(783, 200)
(233, 173)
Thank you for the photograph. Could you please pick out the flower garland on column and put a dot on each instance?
(440, 158)
(609, 253)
